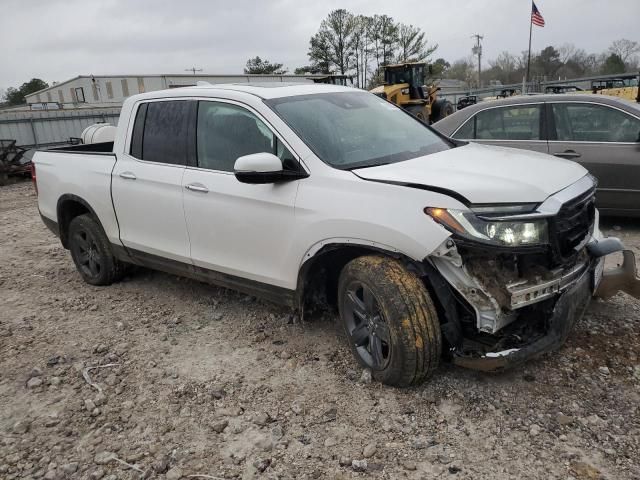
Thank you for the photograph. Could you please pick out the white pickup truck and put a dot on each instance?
(305, 194)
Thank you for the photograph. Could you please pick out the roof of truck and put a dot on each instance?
(269, 90)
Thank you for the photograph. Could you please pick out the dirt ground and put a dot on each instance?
(192, 381)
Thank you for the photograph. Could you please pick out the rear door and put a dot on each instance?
(147, 180)
(518, 126)
(604, 139)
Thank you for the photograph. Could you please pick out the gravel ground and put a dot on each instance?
(191, 381)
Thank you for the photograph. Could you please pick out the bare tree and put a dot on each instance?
(412, 44)
(625, 49)
(462, 69)
(566, 51)
(385, 39)
(361, 48)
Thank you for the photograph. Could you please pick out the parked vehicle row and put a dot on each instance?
(322, 193)
(599, 132)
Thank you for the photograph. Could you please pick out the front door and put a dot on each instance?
(605, 141)
(235, 228)
(147, 181)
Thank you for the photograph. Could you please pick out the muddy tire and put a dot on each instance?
(91, 252)
(389, 319)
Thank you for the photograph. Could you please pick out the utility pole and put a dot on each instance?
(477, 50)
(193, 69)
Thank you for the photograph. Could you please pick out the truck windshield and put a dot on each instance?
(351, 130)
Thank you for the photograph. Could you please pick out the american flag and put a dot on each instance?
(536, 17)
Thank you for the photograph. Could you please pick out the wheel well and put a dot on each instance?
(68, 209)
(318, 277)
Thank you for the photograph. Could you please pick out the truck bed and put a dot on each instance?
(77, 172)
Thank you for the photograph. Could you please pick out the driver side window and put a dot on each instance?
(226, 132)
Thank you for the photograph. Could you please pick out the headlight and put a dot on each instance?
(510, 233)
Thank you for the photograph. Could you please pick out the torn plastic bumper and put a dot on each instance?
(621, 279)
(568, 309)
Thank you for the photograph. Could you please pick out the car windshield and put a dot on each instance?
(356, 129)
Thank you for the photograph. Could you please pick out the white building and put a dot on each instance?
(104, 90)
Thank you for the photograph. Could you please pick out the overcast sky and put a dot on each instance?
(58, 39)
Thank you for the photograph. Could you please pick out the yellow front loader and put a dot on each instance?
(404, 86)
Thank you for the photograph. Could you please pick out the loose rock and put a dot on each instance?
(174, 474)
(366, 376)
(219, 427)
(359, 465)
(34, 382)
(369, 450)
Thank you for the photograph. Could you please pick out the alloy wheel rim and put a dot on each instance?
(87, 254)
(368, 329)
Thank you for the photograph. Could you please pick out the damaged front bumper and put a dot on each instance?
(568, 309)
(527, 318)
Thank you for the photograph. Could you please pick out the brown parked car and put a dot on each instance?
(601, 133)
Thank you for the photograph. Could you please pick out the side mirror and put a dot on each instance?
(261, 168)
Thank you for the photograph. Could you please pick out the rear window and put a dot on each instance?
(164, 131)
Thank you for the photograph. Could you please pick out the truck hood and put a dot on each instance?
(483, 174)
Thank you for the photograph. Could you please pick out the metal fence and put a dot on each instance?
(34, 129)
(532, 87)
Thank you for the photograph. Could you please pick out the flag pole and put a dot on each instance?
(529, 56)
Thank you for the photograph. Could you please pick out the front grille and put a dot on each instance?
(573, 223)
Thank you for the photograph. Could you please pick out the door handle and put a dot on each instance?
(128, 176)
(196, 187)
(568, 154)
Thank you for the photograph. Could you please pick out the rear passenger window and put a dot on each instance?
(226, 132)
(503, 123)
(584, 122)
(167, 135)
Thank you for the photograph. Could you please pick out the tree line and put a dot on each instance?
(357, 45)
(565, 61)
(15, 96)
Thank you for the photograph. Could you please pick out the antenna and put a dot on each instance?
(193, 69)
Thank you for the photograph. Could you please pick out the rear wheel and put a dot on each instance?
(389, 319)
(91, 252)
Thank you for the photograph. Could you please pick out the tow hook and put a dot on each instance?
(624, 278)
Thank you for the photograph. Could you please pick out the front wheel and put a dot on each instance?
(389, 319)
(440, 109)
